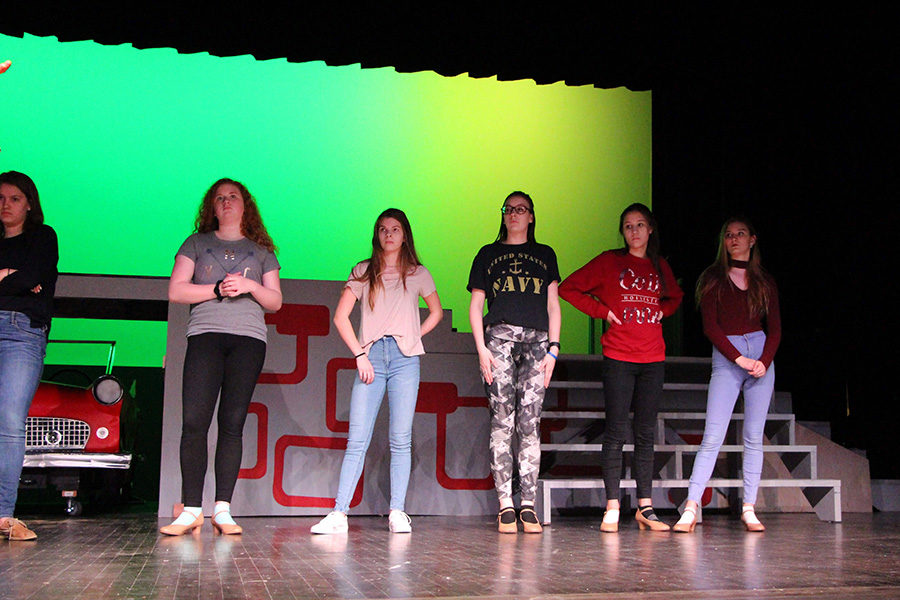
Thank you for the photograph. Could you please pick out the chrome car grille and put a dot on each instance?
(53, 433)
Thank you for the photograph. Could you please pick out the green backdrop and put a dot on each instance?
(123, 143)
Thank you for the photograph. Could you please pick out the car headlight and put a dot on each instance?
(107, 390)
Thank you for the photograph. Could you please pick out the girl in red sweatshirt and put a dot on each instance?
(632, 288)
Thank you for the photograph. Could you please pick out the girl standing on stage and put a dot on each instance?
(28, 257)
(518, 344)
(739, 303)
(388, 287)
(632, 288)
(228, 273)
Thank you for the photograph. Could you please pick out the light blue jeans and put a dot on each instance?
(400, 375)
(726, 382)
(22, 349)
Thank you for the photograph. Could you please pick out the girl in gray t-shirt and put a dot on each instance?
(228, 273)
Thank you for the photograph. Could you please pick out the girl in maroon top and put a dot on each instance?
(632, 288)
(739, 303)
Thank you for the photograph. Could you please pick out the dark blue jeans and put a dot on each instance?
(637, 387)
(22, 349)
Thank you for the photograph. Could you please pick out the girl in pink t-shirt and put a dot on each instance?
(387, 350)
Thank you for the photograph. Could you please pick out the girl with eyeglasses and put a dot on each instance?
(739, 303)
(632, 288)
(388, 287)
(518, 345)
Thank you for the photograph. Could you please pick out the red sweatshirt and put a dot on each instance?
(630, 287)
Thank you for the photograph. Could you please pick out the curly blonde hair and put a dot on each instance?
(252, 226)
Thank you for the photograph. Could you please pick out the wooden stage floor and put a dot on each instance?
(123, 557)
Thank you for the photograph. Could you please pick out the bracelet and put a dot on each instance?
(360, 354)
(555, 357)
(217, 291)
(554, 344)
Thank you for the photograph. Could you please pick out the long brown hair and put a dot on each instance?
(252, 226)
(759, 288)
(409, 260)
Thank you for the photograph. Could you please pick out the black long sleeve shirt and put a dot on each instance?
(34, 255)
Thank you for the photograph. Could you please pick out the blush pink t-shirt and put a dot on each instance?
(396, 311)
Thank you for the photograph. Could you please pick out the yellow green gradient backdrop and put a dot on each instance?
(123, 143)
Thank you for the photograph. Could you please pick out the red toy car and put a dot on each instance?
(70, 429)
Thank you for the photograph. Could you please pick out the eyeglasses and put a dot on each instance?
(519, 210)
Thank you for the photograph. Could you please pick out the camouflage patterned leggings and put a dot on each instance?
(516, 396)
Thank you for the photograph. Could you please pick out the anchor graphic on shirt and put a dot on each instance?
(514, 267)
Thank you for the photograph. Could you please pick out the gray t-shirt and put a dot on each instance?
(213, 260)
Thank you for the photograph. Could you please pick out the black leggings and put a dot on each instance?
(213, 362)
(636, 386)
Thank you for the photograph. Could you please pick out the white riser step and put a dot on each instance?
(679, 450)
(696, 418)
(663, 416)
(823, 494)
(598, 385)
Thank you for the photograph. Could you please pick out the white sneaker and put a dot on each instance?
(399, 522)
(334, 522)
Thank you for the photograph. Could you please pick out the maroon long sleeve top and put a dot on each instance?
(726, 312)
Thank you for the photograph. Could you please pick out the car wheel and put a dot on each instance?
(73, 507)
